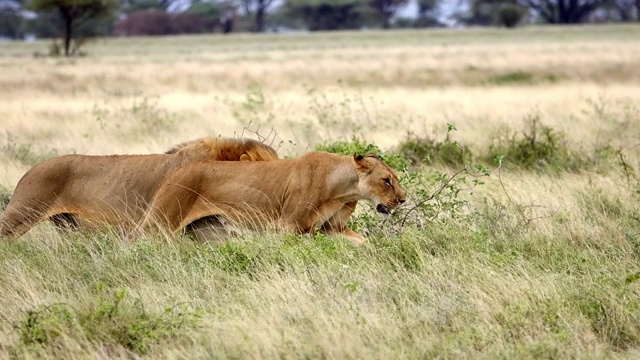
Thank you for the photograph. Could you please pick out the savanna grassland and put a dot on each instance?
(520, 151)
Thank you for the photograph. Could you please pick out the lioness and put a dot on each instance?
(316, 191)
(100, 191)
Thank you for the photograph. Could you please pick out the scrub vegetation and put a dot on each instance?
(520, 152)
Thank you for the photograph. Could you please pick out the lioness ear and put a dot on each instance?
(245, 157)
(359, 161)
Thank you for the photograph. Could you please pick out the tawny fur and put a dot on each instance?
(316, 191)
(96, 192)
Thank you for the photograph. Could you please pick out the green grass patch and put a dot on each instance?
(428, 150)
(469, 286)
(5, 197)
(112, 319)
(513, 77)
(521, 77)
(542, 148)
(26, 153)
(362, 147)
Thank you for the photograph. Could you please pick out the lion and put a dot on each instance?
(318, 191)
(97, 192)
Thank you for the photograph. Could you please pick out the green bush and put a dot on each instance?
(151, 117)
(510, 15)
(27, 154)
(432, 195)
(110, 320)
(612, 318)
(234, 259)
(429, 150)
(142, 116)
(360, 146)
(512, 77)
(349, 147)
(539, 147)
(5, 197)
(43, 325)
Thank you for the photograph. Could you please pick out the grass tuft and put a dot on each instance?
(5, 197)
(517, 243)
(111, 319)
(513, 77)
(27, 154)
(538, 147)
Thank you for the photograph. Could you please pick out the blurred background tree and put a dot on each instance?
(507, 13)
(257, 10)
(82, 19)
(326, 14)
(428, 14)
(12, 22)
(564, 11)
(74, 16)
(387, 9)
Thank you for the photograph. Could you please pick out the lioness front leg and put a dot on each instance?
(337, 224)
(355, 238)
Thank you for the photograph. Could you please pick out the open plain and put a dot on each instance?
(531, 251)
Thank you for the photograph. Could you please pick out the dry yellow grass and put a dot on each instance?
(537, 270)
(408, 80)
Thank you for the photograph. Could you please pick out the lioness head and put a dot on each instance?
(378, 183)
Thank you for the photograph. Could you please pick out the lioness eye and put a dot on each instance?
(387, 181)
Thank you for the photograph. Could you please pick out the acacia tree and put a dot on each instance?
(74, 14)
(564, 11)
(429, 14)
(11, 21)
(11, 25)
(506, 13)
(626, 10)
(258, 9)
(386, 9)
(426, 7)
(130, 6)
(326, 14)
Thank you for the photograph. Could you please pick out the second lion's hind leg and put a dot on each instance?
(65, 222)
(209, 229)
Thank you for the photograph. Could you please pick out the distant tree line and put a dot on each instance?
(512, 12)
(79, 19)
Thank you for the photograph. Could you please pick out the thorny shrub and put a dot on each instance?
(432, 195)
